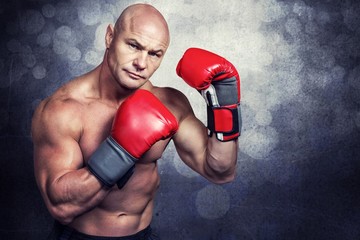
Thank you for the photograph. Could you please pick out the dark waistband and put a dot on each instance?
(70, 233)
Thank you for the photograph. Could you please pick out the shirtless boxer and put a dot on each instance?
(97, 139)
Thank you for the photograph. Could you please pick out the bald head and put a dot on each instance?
(143, 17)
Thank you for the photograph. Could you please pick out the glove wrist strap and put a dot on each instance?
(225, 122)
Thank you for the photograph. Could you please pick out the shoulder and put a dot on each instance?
(58, 114)
(68, 101)
(175, 100)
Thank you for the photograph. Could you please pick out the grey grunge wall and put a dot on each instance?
(298, 170)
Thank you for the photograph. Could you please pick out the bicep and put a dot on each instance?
(56, 151)
(191, 143)
(54, 158)
(191, 138)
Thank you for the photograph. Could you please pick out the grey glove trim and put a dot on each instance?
(110, 162)
(226, 91)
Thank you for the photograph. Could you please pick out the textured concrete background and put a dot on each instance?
(298, 167)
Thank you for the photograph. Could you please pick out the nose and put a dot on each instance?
(140, 61)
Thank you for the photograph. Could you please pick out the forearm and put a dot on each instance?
(221, 158)
(73, 194)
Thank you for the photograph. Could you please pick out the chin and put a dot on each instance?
(134, 84)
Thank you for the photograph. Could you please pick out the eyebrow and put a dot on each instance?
(143, 47)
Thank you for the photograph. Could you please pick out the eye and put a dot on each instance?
(155, 54)
(134, 46)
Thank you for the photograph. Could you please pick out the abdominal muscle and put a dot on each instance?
(124, 211)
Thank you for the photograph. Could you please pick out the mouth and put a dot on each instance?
(134, 75)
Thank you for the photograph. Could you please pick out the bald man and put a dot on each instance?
(97, 139)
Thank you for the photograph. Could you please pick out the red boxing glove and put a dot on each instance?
(219, 83)
(142, 120)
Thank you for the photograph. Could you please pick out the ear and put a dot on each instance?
(109, 36)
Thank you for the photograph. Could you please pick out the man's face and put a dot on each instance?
(135, 52)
